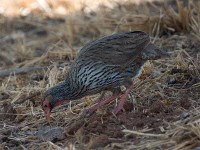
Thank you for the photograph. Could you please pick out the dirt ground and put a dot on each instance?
(39, 40)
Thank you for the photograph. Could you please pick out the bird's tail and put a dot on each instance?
(151, 52)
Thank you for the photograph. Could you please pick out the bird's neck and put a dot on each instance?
(70, 90)
(65, 92)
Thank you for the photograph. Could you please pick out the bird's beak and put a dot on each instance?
(47, 115)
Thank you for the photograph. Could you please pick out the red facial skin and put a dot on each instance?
(47, 109)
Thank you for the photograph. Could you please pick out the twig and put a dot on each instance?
(144, 134)
(26, 98)
(22, 70)
(56, 146)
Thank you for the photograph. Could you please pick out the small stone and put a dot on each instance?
(197, 148)
(184, 115)
(56, 133)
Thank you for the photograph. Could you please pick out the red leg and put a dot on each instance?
(101, 103)
(122, 101)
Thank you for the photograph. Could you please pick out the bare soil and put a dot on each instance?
(37, 48)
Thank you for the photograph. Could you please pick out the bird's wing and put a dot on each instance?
(116, 49)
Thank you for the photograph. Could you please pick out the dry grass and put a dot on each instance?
(48, 34)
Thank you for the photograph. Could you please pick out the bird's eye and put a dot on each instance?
(45, 106)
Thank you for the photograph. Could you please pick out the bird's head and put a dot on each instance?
(48, 104)
(53, 97)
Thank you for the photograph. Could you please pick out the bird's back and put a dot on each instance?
(116, 49)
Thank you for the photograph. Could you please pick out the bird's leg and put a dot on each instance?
(122, 101)
(101, 103)
(116, 92)
(128, 83)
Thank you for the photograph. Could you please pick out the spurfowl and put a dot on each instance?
(104, 64)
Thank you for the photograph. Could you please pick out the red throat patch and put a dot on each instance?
(59, 102)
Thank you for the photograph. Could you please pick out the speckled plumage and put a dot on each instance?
(105, 64)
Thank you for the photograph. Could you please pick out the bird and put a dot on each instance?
(104, 64)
